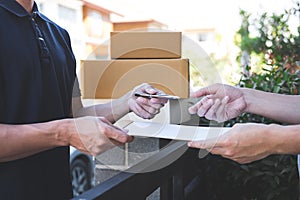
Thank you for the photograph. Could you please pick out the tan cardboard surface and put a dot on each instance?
(145, 45)
(114, 78)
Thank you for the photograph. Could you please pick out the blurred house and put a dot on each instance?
(68, 14)
(97, 27)
(205, 36)
(89, 23)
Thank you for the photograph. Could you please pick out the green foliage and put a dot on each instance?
(279, 51)
(277, 80)
(275, 177)
(272, 178)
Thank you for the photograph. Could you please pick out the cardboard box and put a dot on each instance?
(113, 78)
(145, 45)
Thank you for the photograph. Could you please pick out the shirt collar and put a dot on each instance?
(15, 8)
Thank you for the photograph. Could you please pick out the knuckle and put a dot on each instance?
(105, 130)
(219, 120)
(124, 139)
(206, 105)
(144, 101)
(226, 142)
(150, 116)
(154, 111)
(201, 112)
(120, 138)
(209, 116)
(229, 153)
(150, 110)
(145, 116)
(140, 100)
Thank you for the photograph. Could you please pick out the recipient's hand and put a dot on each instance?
(145, 107)
(220, 102)
(94, 135)
(244, 143)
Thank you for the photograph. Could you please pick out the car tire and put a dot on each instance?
(81, 176)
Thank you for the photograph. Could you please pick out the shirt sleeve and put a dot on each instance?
(76, 89)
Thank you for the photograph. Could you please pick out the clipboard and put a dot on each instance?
(172, 131)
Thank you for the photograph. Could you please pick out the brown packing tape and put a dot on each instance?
(113, 78)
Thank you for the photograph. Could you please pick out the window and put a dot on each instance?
(67, 15)
(95, 23)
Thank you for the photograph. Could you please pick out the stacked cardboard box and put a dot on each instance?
(137, 57)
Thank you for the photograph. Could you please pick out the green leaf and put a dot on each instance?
(276, 89)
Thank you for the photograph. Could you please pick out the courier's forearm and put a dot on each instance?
(19, 141)
(112, 110)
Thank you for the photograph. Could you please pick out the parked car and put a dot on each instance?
(82, 171)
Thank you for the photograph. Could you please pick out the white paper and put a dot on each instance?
(175, 132)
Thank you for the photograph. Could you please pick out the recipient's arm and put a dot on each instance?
(245, 143)
(222, 102)
(283, 108)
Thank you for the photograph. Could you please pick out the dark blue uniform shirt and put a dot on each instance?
(37, 73)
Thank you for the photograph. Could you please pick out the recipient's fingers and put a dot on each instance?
(201, 106)
(211, 113)
(193, 109)
(207, 144)
(220, 141)
(206, 105)
(221, 112)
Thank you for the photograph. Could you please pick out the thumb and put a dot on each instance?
(150, 90)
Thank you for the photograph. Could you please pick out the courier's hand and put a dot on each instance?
(94, 135)
(244, 143)
(220, 102)
(144, 107)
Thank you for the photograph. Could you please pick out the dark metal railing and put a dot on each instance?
(176, 180)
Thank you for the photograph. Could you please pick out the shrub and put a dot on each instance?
(278, 52)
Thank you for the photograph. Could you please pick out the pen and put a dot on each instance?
(163, 96)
